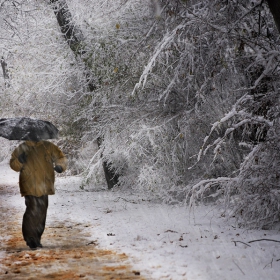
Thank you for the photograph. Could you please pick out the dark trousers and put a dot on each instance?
(34, 218)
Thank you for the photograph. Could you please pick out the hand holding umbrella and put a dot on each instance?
(58, 168)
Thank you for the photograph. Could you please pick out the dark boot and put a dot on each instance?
(31, 243)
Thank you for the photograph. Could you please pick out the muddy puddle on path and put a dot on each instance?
(66, 254)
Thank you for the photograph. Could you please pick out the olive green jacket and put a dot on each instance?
(37, 174)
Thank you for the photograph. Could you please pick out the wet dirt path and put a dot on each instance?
(67, 253)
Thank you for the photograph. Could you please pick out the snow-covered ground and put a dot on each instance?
(161, 241)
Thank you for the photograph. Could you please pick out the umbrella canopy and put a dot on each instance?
(27, 129)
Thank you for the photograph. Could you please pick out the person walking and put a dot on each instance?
(36, 162)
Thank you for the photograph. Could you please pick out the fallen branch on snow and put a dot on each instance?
(264, 239)
(118, 198)
(238, 267)
(241, 242)
(269, 264)
(94, 242)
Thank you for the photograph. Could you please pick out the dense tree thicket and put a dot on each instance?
(182, 95)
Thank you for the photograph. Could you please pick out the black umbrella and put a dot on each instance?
(27, 129)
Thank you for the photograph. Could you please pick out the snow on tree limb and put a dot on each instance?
(158, 49)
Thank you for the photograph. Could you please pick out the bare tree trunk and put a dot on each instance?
(110, 175)
(74, 37)
(5, 72)
(274, 6)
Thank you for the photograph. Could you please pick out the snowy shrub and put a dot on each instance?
(251, 194)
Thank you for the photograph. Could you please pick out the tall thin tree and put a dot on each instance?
(75, 39)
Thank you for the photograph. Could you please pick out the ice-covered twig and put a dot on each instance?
(214, 26)
(238, 267)
(201, 186)
(246, 14)
(159, 48)
(240, 242)
(267, 69)
(92, 159)
(270, 263)
(130, 201)
(241, 114)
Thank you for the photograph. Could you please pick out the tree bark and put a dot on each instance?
(110, 175)
(73, 35)
(274, 6)
(5, 72)
(75, 39)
